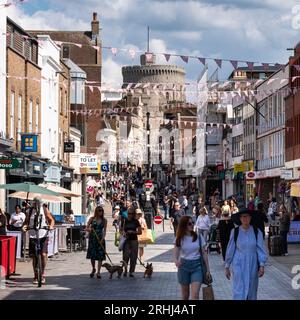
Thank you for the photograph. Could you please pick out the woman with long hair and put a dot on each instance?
(142, 221)
(96, 226)
(188, 249)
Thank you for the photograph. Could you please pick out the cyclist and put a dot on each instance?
(37, 220)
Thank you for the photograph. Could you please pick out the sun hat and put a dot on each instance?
(245, 211)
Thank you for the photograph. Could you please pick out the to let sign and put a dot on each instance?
(6, 163)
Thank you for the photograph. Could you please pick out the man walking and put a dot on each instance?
(176, 216)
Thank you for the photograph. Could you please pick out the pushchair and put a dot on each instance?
(213, 239)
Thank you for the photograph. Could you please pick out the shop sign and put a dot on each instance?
(294, 233)
(238, 167)
(69, 147)
(286, 174)
(89, 163)
(251, 175)
(29, 143)
(9, 163)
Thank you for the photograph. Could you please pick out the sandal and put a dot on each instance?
(92, 273)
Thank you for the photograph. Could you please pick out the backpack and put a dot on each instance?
(236, 233)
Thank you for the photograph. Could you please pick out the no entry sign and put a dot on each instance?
(158, 219)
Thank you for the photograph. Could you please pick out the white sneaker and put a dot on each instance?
(286, 254)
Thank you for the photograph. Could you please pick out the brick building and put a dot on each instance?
(89, 60)
(292, 117)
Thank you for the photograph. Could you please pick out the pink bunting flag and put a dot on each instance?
(25, 37)
(224, 125)
(185, 58)
(202, 60)
(294, 78)
(250, 65)
(297, 67)
(99, 88)
(96, 48)
(78, 45)
(219, 63)
(59, 43)
(132, 53)
(129, 86)
(234, 64)
(167, 56)
(270, 81)
(283, 80)
(266, 66)
(149, 57)
(185, 122)
(114, 51)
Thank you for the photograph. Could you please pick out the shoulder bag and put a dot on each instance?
(206, 280)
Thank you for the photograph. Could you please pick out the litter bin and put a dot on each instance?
(8, 254)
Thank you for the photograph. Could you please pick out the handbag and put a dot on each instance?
(208, 293)
(150, 237)
(145, 237)
(206, 280)
(122, 242)
(117, 238)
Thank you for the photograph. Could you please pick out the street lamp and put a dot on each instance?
(148, 144)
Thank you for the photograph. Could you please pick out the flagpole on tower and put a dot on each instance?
(148, 40)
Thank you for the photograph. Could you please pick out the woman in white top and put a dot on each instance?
(17, 219)
(187, 257)
(203, 223)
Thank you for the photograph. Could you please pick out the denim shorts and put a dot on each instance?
(190, 271)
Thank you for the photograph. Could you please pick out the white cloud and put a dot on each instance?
(111, 72)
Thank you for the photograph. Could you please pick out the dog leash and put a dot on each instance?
(143, 264)
(102, 246)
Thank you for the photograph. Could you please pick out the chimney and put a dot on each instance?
(95, 27)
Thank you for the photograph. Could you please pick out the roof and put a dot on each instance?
(81, 37)
(74, 68)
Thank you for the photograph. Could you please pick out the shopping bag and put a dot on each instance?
(117, 238)
(122, 242)
(153, 235)
(208, 293)
(150, 237)
(144, 238)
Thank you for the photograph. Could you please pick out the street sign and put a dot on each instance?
(158, 219)
(105, 167)
(9, 163)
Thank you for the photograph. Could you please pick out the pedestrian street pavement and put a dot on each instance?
(67, 276)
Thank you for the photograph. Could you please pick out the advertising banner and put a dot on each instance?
(89, 163)
(294, 234)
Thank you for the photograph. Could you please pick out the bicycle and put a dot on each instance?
(38, 254)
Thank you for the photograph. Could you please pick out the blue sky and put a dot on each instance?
(251, 30)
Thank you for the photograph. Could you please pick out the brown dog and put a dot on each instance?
(115, 268)
(148, 270)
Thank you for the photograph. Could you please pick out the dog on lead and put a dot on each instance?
(148, 270)
(119, 269)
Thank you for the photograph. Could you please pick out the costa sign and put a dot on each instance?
(251, 175)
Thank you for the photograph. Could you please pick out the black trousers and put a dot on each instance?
(224, 248)
(284, 241)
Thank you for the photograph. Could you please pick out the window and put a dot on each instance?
(66, 104)
(19, 117)
(12, 115)
(237, 146)
(61, 101)
(37, 118)
(238, 114)
(30, 116)
(66, 52)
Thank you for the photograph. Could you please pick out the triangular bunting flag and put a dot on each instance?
(294, 78)
(149, 57)
(266, 66)
(78, 45)
(114, 51)
(234, 63)
(219, 63)
(167, 56)
(96, 48)
(202, 60)
(185, 58)
(132, 53)
(250, 65)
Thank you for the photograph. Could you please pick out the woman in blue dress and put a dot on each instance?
(246, 254)
(96, 227)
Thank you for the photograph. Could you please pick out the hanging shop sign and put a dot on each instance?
(286, 174)
(238, 167)
(29, 143)
(9, 163)
(69, 147)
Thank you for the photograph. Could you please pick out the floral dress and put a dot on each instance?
(95, 251)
